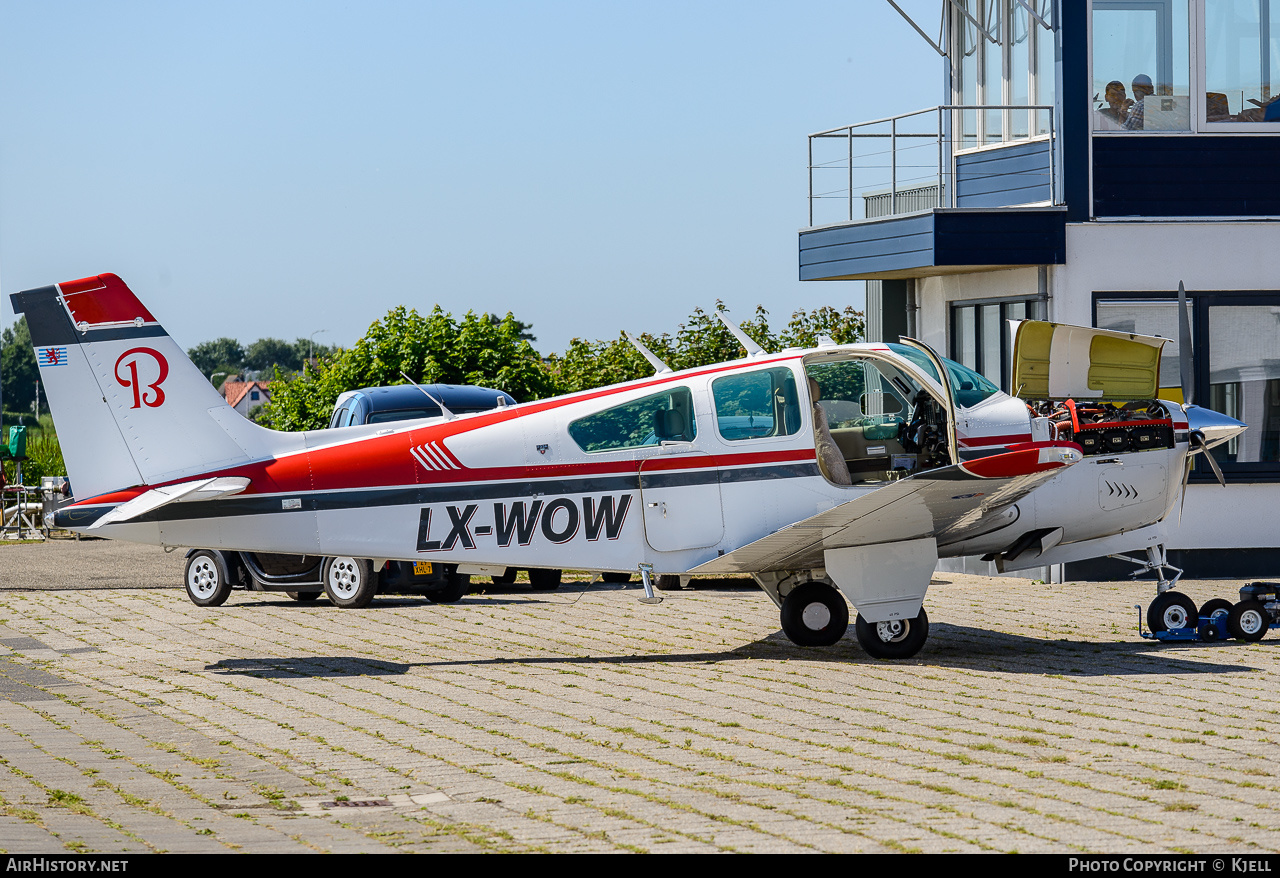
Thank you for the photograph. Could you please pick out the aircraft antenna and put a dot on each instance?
(649, 355)
(753, 349)
(448, 415)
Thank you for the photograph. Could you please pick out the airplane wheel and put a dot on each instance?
(1171, 610)
(814, 614)
(349, 582)
(611, 576)
(508, 576)
(303, 597)
(896, 639)
(208, 584)
(1248, 621)
(544, 580)
(451, 590)
(666, 583)
(1213, 608)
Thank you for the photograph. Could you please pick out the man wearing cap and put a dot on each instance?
(1142, 88)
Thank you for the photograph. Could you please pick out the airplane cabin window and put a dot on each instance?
(652, 420)
(756, 405)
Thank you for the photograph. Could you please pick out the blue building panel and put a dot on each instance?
(1193, 176)
(1018, 174)
(915, 245)
(888, 245)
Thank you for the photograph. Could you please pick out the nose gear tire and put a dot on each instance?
(896, 639)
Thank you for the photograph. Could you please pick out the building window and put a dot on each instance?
(1235, 364)
(1241, 55)
(980, 336)
(1003, 55)
(254, 395)
(1144, 79)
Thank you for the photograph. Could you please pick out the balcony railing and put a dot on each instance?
(932, 158)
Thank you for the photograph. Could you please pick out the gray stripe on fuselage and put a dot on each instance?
(422, 495)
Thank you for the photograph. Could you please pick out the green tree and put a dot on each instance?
(700, 341)
(268, 354)
(219, 355)
(18, 369)
(431, 349)
(842, 327)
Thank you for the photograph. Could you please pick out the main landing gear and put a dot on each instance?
(1174, 616)
(815, 614)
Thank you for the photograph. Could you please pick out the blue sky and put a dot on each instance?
(278, 168)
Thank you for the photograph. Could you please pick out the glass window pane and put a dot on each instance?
(1242, 59)
(663, 417)
(1046, 75)
(754, 405)
(966, 350)
(1141, 67)
(967, 59)
(991, 342)
(1244, 378)
(1020, 70)
(993, 71)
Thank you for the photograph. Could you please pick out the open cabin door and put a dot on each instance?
(948, 398)
(1056, 361)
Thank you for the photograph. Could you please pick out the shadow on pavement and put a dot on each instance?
(950, 646)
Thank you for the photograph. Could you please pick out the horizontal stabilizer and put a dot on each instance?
(187, 492)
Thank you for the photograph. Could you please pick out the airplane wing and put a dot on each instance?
(949, 504)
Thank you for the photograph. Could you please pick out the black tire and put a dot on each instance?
(208, 583)
(1209, 609)
(508, 576)
(544, 580)
(452, 590)
(666, 583)
(349, 582)
(1248, 621)
(304, 597)
(814, 614)
(614, 577)
(899, 639)
(1171, 610)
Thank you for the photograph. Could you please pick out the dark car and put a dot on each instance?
(211, 574)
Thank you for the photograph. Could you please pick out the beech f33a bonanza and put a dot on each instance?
(837, 473)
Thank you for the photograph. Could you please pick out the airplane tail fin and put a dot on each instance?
(130, 407)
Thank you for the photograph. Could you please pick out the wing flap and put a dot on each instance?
(948, 504)
(187, 492)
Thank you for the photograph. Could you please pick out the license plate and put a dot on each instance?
(421, 568)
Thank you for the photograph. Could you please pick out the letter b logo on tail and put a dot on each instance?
(154, 369)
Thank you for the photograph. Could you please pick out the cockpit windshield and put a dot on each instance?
(968, 388)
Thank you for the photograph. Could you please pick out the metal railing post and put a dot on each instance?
(940, 153)
(811, 180)
(850, 173)
(893, 166)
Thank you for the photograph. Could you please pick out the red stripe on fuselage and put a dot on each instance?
(981, 441)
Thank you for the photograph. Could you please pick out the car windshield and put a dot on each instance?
(968, 388)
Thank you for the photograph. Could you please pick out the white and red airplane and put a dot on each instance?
(839, 472)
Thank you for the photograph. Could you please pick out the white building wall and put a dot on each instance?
(1140, 257)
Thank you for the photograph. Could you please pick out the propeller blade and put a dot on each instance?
(1186, 476)
(1217, 470)
(1184, 349)
(1200, 446)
